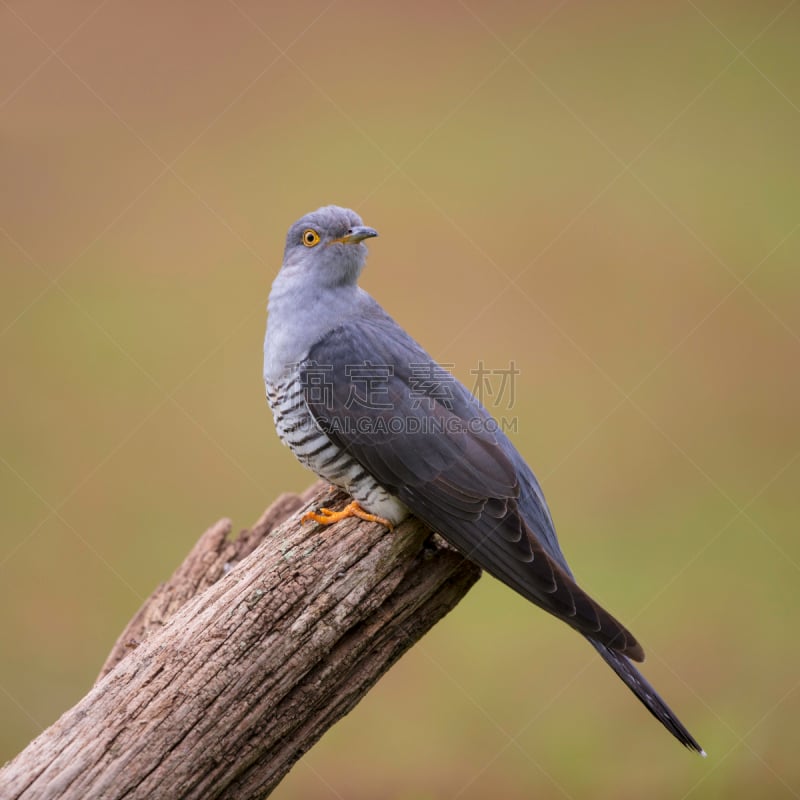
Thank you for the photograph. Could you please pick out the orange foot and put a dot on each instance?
(326, 516)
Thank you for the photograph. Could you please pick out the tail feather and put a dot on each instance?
(649, 697)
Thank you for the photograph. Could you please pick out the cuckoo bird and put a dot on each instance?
(359, 402)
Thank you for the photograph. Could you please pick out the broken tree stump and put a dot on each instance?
(237, 665)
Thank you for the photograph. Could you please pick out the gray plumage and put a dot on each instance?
(355, 398)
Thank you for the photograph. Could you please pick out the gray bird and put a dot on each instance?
(360, 403)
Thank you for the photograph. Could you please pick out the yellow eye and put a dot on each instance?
(310, 237)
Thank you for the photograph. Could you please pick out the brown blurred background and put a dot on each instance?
(605, 194)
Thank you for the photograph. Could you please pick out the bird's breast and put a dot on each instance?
(300, 432)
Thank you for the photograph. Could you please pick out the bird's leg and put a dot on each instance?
(326, 516)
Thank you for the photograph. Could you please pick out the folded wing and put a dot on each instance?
(421, 434)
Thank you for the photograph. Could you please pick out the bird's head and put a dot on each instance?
(328, 244)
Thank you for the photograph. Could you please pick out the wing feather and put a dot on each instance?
(449, 463)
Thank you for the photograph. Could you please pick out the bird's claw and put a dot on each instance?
(327, 516)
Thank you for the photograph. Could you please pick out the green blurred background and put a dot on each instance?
(604, 193)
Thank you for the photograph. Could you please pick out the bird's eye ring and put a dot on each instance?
(310, 237)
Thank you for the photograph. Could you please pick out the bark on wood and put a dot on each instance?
(235, 667)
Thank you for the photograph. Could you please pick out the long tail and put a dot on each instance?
(650, 698)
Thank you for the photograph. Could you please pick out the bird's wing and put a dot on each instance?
(423, 436)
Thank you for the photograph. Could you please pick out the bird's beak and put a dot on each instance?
(356, 234)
